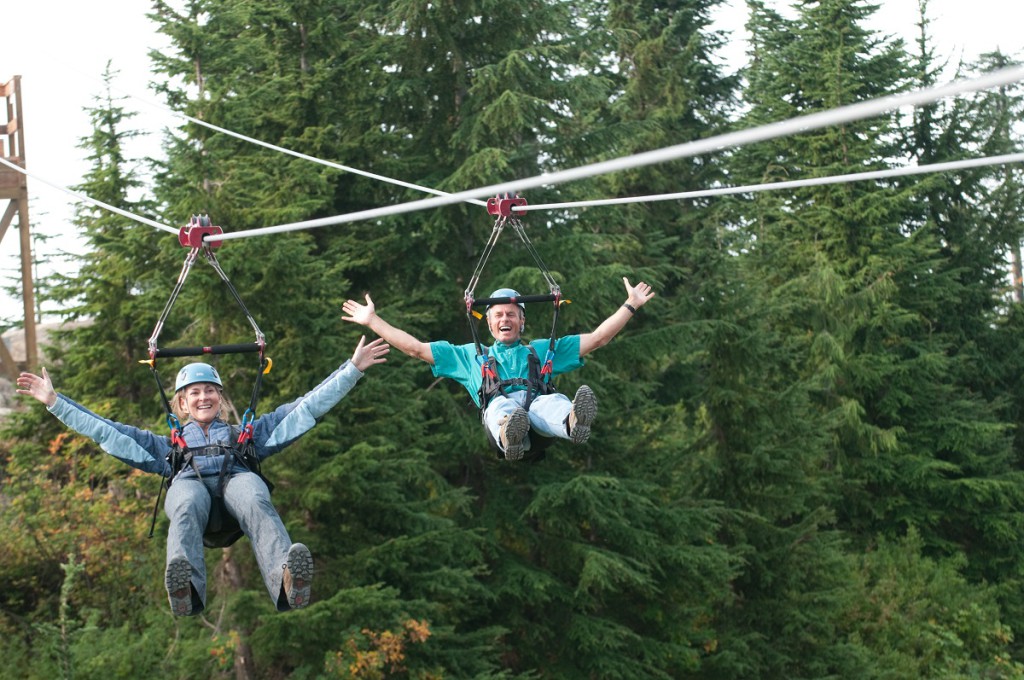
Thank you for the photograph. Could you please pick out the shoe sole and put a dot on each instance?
(515, 431)
(178, 579)
(585, 408)
(300, 566)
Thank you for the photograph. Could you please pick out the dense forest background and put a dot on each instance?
(808, 462)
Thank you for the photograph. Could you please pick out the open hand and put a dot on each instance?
(357, 313)
(368, 354)
(639, 294)
(38, 387)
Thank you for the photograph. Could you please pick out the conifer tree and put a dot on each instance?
(989, 247)
(111, 291)
(812, 279)
(808, 428)
(485, 137)
(912, 441)
(959, 430)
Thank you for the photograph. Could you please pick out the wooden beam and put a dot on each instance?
(13, 184)
(5, 221)
(16, 189)
(27, 292)
(7, 364)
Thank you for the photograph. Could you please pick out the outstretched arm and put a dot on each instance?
(136, 447)
(366, 315)
(288, 422)
(636, 297)
(38, 387)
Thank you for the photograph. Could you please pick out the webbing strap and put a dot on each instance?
(499, 224)
(517, 226)
(212, 259)
(190, 259)
(245, 434)
(492, 385)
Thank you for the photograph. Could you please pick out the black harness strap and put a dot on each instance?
(534, 384)
(178, 445)
(222, 528)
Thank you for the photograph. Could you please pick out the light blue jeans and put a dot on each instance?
(246, 497)
(547, 414)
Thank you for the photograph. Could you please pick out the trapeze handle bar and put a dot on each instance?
(211, 349)
(514, 300)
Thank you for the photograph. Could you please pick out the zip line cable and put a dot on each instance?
(770, 131)
(790, 184)
(946, 166)
(813, 121)
(86, 199)
(330, 164)
(286, 151)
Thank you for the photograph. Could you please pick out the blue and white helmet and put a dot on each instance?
(195, 373)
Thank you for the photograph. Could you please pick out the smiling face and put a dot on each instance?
(506, 322)
(201, 401)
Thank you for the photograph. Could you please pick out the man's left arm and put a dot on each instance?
(636, 297)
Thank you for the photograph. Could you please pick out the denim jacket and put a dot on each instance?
(272, 432)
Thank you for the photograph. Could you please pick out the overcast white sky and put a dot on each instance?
(86, 35)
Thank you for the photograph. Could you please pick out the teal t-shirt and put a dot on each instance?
(462, 364)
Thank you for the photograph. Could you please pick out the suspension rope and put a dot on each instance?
(86, 199)
(499, 225)
(517, 226)
(286, 151)
(190, 260)
(790, 184)
(813, 121)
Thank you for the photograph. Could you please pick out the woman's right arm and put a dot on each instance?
(139, 448)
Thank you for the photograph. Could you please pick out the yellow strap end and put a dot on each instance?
(270, 363)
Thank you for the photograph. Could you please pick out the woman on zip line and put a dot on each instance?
(214, 469)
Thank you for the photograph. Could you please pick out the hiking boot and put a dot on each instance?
(513, 432)
(298, 576)
(178, 579)
(584, 410)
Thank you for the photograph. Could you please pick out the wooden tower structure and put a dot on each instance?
(14, 190)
